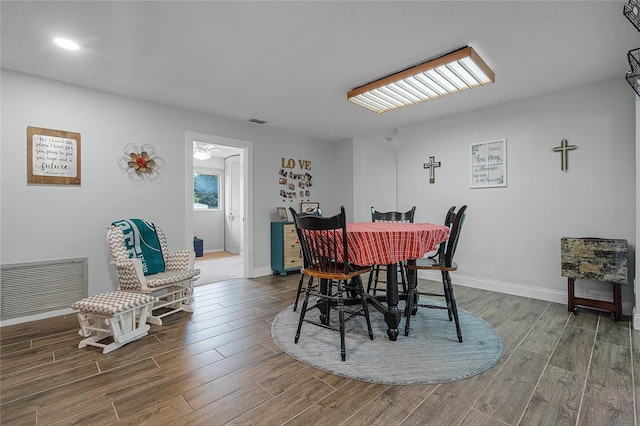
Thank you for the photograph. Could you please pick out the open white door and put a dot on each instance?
(234, 210)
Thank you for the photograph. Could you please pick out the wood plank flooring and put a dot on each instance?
(220, 366)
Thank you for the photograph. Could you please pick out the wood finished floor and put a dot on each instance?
(220, 365)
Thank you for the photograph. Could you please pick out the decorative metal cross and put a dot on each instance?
(431, 165)
(564, 149)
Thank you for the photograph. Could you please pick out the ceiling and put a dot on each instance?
(292, 63)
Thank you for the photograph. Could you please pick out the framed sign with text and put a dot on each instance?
(488, 164)
(53, 156)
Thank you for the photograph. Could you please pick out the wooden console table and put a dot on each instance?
(595, 259)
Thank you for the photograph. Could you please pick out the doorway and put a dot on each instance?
(236, 181)
(233, 206)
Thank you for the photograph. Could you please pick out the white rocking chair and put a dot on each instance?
(173, 288)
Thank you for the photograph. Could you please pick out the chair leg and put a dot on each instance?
(452, 302)
(402, 267)
(303, 312)
(299, 291)
(412, 278)
(343, 349)
(326, 317)
(446, 293)
(365, 305)
(373, 278)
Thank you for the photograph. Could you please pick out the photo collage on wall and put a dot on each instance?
(294, 186)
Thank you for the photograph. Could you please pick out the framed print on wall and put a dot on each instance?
(282, 214)
(309, 207)
(53, 156)
(488, 164)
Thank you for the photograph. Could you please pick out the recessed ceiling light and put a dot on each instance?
(66, 43)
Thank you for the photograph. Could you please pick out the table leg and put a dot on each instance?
(392, 315)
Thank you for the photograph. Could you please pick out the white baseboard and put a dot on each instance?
(636, 319)
(501, 287)
(44, 315)
(261, 272)
(548, 295)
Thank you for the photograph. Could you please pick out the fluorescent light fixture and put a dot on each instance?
(447, 74)
(66, 43)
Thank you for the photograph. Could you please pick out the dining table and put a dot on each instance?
(388, 243)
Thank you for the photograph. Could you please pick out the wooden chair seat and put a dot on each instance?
(434, 264)
(324, 272)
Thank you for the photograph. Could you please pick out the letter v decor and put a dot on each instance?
(142, 165)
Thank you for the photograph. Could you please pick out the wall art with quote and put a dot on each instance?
(488, 164)
(53, 156)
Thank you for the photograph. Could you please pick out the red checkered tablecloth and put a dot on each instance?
(383, 243)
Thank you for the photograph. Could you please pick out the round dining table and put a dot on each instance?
(388, 243)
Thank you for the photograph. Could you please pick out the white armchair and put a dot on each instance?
(172, 288)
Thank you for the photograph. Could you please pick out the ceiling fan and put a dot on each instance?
(203, 151)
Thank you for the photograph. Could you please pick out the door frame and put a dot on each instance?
(247, 147)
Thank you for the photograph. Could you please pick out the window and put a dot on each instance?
(206, 187)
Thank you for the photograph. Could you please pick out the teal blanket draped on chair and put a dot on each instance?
(142, 242)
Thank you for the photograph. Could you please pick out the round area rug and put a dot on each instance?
(430, 354)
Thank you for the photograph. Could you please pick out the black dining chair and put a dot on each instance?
(448, 221)
(323, 241)
(374, 277)
(300, 289)
(443, 263)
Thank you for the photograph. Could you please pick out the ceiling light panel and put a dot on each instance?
(447, 74)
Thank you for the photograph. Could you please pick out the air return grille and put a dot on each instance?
(36, 287)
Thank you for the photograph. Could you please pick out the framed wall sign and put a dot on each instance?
(53, 156)
(309, 207)
(282, 214)
(488, 161)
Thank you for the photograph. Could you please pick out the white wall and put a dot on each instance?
(511, 239)
(636, 318)
(342, 191)
(47, 222)
(375, 177)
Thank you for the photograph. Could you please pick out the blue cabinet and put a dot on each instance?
(285, 252)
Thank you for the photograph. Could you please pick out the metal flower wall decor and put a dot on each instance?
(142, 164)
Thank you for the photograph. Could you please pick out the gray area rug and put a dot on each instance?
(430, 354)
(221, 269)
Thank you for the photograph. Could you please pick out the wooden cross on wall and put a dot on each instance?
(564, 149)
(431, 165)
